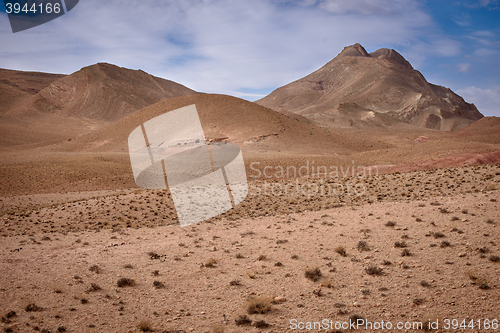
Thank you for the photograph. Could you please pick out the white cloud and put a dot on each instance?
(486, 100)
(223, 45)
(463, 67)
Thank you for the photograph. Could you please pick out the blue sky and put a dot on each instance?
(249, 48)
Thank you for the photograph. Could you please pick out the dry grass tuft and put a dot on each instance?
(261, 324)
(374, 270)
(145, 326)
(313, 274)
(210, 263)
(158, 284)
(124, 282)
(405, 253)
(93, 287)
(32, 307)
(363, 246)
(259, 304)
(95, 269)
(243, 320)
(494, 258)
(341, 250)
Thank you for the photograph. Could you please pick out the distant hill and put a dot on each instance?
(361, 89)
(227, 118)
(101, 92)
(38, 109)
(16, 86)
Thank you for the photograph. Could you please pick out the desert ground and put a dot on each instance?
(401, 226)
(414, 247)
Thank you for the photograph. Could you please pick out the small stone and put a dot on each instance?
(279, 299)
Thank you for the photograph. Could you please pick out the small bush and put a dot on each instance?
(405, 253)
(93, 287)
(400, 244)
(261, 324)
(95, 269)
(124, 282)
(363, 246)
(390, 224)
(445, 244)
(494, 258)
(313, 274)
(374, 270)
(259, 304)
(243, 320)
(341, 250)
(438, 235)
(262, 257)
(354, 318)
(210, 263)
(32, 307)
(145, 326)
(235, 283)
(153, 255)
(158, 285)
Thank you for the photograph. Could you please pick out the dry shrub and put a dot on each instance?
(243, 320)
(259, 304)
(145, 326)
(93, 287)
(374, 270)
(341, 250)
(261, 324)
(95, 269)
(124, 282)
(405, 253)
(158, 284)
(210, 263)
(494, 258)
(32, 307)
(363, 246)
(400, 244)
(313, 274)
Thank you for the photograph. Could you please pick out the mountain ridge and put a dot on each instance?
(363, 89)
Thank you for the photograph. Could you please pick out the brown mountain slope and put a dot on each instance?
(100, 92)
(16, 86)
(377, 89)
(226, 118)
(38, 109)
